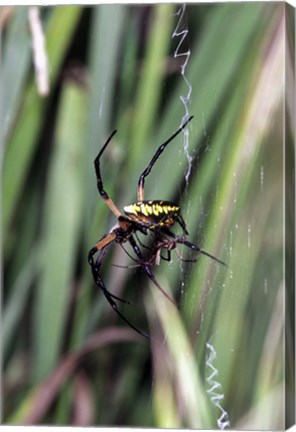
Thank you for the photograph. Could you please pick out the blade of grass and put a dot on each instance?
(21, 144)
(151, 80)
(185, 369)
(34, 407)
(19, 295)
(62, 221)
(17, 49)
(244, 156)
(104, 53)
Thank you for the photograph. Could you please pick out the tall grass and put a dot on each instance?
(67, 358)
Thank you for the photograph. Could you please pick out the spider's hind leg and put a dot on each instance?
(95, 267)
(113, 304)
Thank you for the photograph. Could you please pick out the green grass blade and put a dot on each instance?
(150, 84)
(21, 144)
(62, 220)
(17, 48)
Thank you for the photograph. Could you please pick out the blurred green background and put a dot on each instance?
(67, 358)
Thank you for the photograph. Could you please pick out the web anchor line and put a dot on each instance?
(215, 388)
(185, 99)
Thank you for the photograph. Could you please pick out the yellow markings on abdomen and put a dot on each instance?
(155, 212)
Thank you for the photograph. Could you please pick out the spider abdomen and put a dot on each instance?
(153, 213)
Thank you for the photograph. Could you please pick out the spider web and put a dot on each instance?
(185, 98)
(181, 32)
(215, 388)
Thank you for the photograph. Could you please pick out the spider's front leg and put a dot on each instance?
(100, 185)
(183, 240)
(158, 152)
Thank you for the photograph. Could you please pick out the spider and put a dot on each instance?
(152, 216)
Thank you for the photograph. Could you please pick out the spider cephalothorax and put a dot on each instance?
(152, 216)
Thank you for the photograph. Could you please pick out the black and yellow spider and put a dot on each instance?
(153, 216)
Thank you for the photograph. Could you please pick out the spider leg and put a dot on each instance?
(129, 255)
(147, 269)
(141, 243)
(100, 186)
(182, 223)
(168, 257)
(160, 149)
(157, 255)
(95, 266)
(115, 308)
(183, 259)
(192, 246)
(153, 259)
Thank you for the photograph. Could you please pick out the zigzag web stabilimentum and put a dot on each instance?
(214, 389)
(181, 34)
